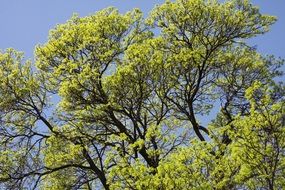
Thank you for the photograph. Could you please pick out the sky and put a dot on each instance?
(26, 23)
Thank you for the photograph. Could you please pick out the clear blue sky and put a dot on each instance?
(25, 23)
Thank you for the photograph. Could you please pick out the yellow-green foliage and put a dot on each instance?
(128, 93)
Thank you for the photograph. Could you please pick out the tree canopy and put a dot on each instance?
(116, 101)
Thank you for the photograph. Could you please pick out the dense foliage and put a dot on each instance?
(115, 101)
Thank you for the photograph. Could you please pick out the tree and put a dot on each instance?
(112, 104)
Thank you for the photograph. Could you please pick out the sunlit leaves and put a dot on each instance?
(128, 93)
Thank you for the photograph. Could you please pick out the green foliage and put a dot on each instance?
(113, 100)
